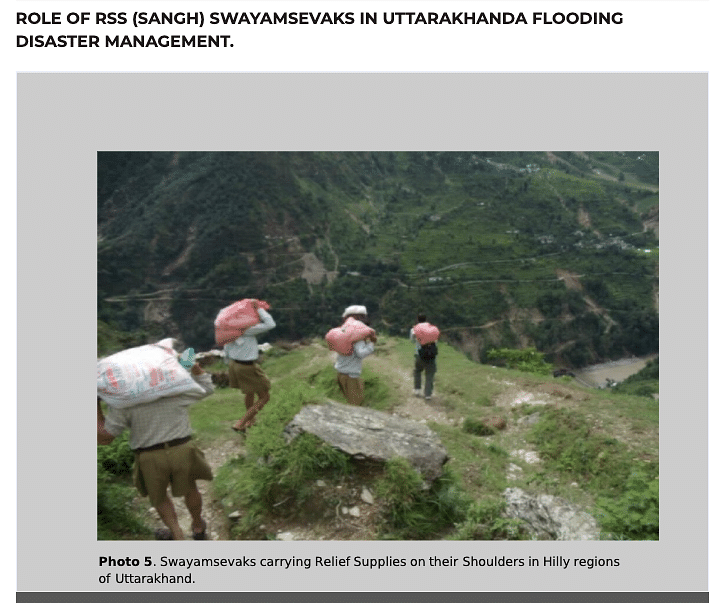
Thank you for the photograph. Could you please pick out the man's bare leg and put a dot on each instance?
(167, 513)
(193, 501)
(248, 403)
(248, 419)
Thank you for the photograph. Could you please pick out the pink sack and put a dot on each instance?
(425, 333)
(341, 339)
(234, 320)
(142, 374)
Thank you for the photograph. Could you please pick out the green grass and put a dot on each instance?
(572, 449)
(564, 439)
(600, 441)
(117, 519)
(413, 511)
(273, 472)
(214, 416)
(476, 427)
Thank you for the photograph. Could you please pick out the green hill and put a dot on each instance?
(500, 249)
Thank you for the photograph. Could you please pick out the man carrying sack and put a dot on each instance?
(349, 363)
(425, 336)
(244, 372)
(160, 436)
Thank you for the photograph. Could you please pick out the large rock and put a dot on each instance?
(368, 434)
(550, 517)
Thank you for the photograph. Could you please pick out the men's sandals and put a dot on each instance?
(164, 533)
(201, 535)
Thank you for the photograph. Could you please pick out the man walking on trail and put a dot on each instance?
(245, 373)
(160, 435)
(424, 358)
(349, 367)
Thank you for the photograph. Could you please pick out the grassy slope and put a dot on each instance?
(618, 430)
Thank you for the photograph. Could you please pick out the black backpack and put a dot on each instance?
(428, 351)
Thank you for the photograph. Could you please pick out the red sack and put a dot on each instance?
(234, 320)
(425, 333)
(341, 339)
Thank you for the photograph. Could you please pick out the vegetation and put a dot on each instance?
(527, 360)
(524, 260)
(565, 440)
(413, 511)
(116, 516)
(468, 236)
(634, 515)
(644, 383)
(274, 473)
(477, 427)
(604, 442)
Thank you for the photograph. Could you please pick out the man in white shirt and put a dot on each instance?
(244, 372)
(350, 367)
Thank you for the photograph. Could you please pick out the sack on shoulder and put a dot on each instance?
(428, 351)
(425, 332)
(235, 319)
(143, 374)
(341, 339)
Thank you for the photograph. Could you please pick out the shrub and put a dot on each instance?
(116, 458)
(477, 427)
(484, 521)
(635, 514)
(115, 517)
(527, 360)
(413, 510)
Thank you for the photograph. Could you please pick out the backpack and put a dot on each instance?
(428, 351)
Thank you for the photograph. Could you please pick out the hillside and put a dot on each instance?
(552, 437)
(500, 249)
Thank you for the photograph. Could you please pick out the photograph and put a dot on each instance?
(378, 345)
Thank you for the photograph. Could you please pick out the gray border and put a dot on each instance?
(64, 119)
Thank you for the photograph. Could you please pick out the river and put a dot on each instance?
(598, 374)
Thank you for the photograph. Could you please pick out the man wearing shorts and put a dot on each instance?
(244, 372)
(160, 436)
(349, 368)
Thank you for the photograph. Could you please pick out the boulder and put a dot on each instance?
(550, 517)
(529, 420)
(371, 435)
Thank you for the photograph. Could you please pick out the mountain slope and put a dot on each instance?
(477, 240)
(624, 428)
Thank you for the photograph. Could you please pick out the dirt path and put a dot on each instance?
(343, 524)
(410, 406)
(220, 451)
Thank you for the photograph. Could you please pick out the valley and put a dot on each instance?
(505, 249)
